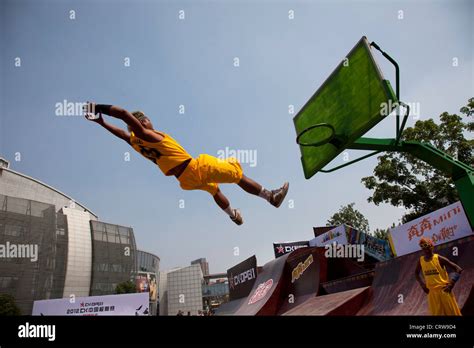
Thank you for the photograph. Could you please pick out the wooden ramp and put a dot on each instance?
(340, 303)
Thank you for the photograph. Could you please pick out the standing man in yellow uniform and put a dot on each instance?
(437, 285)
(202, 173)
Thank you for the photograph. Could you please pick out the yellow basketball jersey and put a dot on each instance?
(166, 154)
(435, 275)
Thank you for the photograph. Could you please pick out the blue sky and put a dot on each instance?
(189, 62)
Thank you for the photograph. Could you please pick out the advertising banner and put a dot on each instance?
(337, 235)
(141, 282)
(125, 304)
(355, 236)
(373, 246)
(242, 278)
(146, 282)
(281, 249)
(441, 226)
(151, 278)
(376, 247)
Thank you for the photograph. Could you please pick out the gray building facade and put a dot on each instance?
(75, 253)
(182, 289)
(148, 262)
(204, 265)
(32, 262)
(113, 258)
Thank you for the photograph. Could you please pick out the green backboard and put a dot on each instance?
(353, 99)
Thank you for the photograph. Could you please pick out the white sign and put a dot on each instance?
(441, 226)
(337, 235)
(125, 304)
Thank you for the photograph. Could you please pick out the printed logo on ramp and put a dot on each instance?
(261, 291)
(300, 268)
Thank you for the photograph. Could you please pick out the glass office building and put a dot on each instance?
(75, 253)
(114, 257)
(215, 289)
(38, 271)
(148, 262)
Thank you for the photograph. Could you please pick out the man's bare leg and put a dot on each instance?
(224, 204)
(221, 200)
(275, 197)
(250, 186)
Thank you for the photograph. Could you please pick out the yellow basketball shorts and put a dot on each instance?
(442, 303)
(205, 173)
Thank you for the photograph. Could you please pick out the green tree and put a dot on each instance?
(349, 216)
(403, 180)
(127, 287)
(8, 305)
(380, 233)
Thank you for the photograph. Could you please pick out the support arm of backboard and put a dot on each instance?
(461, 173)
(368, 144)
(399, 129)
(376, 145)
(349, 163)
(397, 87)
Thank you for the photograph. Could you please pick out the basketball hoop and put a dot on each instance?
(317, 143)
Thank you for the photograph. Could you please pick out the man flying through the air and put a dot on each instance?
(437, 284)
(204, 172)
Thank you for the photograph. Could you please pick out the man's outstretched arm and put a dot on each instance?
(127, 117)
(120, 133)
